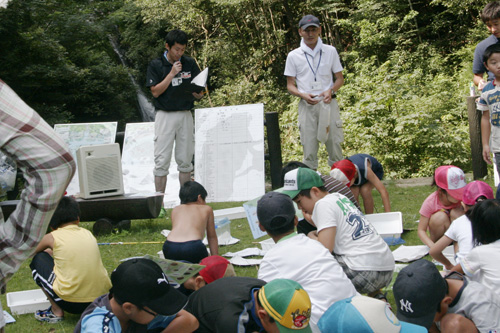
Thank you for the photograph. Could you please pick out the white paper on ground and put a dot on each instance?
(225, 241)
(410, 253)
(8, 318)
(251, 251)
(239, 261)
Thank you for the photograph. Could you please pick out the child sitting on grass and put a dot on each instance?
(362, 173)
(190, 220)
(482, 263)
(442, 206)
(344, 231)
(460, 230)
(67, 265)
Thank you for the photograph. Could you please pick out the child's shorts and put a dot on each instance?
(365, 282)
(192, 251)
(42, 268)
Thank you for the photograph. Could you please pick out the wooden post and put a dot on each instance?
(274, 147)
(479, 168)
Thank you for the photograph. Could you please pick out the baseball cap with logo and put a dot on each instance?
(344, 171)
(307, 21)
(215, 268)
(451, 179)
(142, 282)
(300, 179)
(474, 190)
(288, 304)
(418, 290)
(363, 314)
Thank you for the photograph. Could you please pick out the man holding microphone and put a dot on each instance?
(173, 120)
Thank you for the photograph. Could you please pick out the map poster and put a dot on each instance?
(84, 134)
(138, 164)
(229, 152)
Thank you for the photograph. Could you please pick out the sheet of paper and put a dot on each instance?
(201, 79)
(248, 252)
(239, 261)
(410, 253)
(251, 212)
(176, 271)
(229, 152)
(8, 317)
(138, 163)
(84, 134)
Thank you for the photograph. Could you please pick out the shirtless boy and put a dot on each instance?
(189, 222)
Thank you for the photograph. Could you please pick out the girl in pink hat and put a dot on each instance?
(443, 206)
(460, 231)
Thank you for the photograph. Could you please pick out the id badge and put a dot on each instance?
(176, 81)
(315, 85)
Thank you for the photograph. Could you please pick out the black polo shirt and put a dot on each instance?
(172, 99)
(225, 305)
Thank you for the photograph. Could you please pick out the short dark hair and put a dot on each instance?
(485, 221)
(490, 50)
(491, 12)
(190, 191)
(307, 192)
(68, 210)
(292, 165)
(176, 36)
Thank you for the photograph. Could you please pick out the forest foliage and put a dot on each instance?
(407, 65)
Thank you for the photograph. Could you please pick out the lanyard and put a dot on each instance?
(319, 62)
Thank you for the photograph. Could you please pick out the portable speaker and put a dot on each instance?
(99, 171)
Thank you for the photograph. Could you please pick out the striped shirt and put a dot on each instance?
(332, 185)
(47, 167)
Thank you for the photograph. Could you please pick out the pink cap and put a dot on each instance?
(451, 179)
(474, 190)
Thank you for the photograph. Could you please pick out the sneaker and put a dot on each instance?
(47, 316)
(163, 213)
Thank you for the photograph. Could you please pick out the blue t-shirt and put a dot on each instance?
(361, 163)
(477, 64)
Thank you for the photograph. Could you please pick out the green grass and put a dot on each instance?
(406, 200)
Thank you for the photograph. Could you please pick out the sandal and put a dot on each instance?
(48, 316)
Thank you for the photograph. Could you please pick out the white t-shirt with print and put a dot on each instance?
(356, 239)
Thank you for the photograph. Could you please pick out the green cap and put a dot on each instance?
(300, 179)
(288, 304)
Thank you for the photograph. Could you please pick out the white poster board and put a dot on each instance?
(229, 152)
(84, 134)
(138, 164)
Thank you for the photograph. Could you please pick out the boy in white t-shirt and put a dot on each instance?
(343, 230)
(298, 257)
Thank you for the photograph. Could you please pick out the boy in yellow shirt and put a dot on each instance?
(67, 265)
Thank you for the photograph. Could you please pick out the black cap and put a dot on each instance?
(309, 20)
(142, 282)
(418, 289)
(275, 210)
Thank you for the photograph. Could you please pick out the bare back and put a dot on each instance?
(189, 222)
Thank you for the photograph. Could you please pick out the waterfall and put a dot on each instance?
(146, 108)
